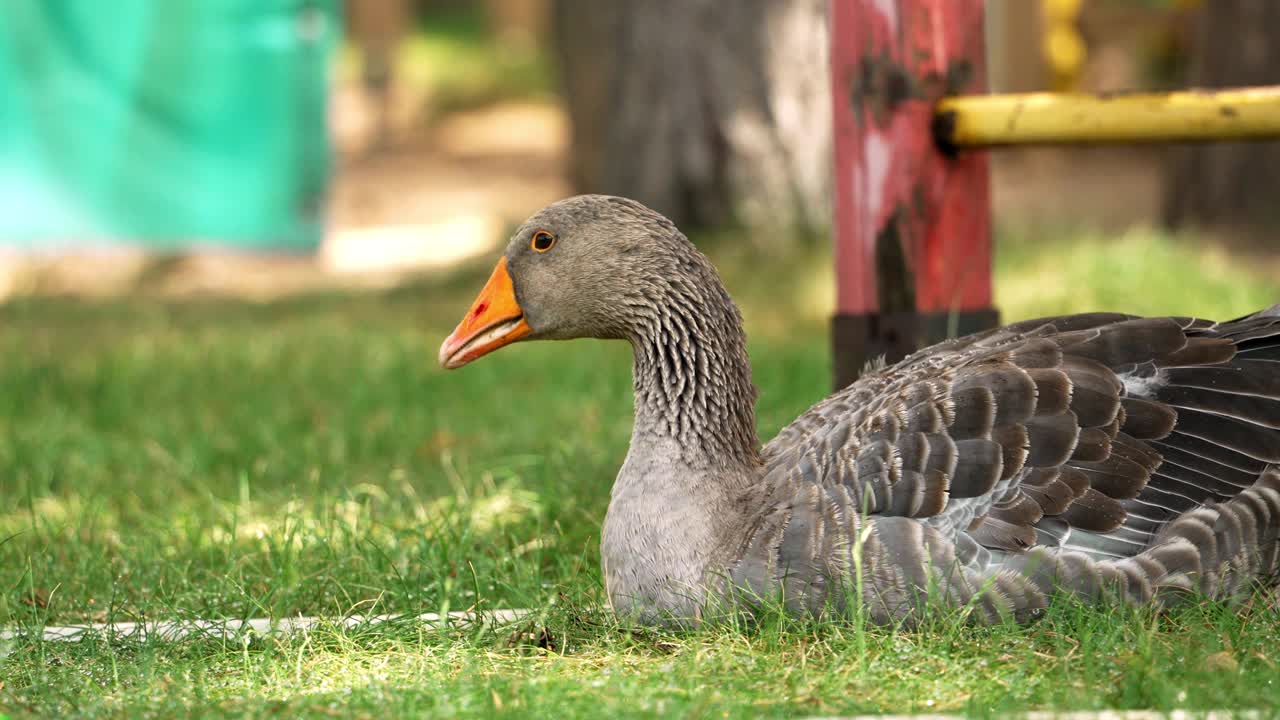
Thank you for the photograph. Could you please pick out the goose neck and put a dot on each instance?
(693, 382)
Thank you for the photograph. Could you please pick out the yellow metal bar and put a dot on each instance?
(1058, 119)
(1063, 47)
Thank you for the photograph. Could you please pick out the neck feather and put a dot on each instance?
(692, 375)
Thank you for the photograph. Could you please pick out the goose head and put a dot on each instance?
(590, 266)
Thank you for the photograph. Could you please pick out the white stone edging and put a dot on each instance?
(174, 630)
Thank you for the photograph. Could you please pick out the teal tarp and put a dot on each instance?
(164, 123)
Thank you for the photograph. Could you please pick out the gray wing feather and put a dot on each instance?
(1086, 452)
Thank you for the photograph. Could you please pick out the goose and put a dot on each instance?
(1102, 456)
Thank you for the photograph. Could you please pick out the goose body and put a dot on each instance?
(1101, 455)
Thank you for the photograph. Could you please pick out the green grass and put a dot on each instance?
(214, 458)
(1141, 271)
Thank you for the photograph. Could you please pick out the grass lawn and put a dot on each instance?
(213, 458)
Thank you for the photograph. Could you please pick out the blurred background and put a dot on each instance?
(234, 232)
(271, 146)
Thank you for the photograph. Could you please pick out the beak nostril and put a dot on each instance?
(480, 308)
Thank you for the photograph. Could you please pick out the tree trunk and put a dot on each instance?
(1230, 186)
(521, 23)
(377, 27)
(1015, 47)
(708, 111)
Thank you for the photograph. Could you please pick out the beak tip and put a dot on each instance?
(446, 353)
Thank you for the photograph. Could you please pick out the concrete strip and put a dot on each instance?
(173, 630)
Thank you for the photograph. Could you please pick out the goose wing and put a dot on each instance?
(1084, 432)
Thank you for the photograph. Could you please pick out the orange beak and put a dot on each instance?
(495, 319)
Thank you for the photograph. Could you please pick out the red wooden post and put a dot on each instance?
(912, 222)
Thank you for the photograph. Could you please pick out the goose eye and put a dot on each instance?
(543, 240)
